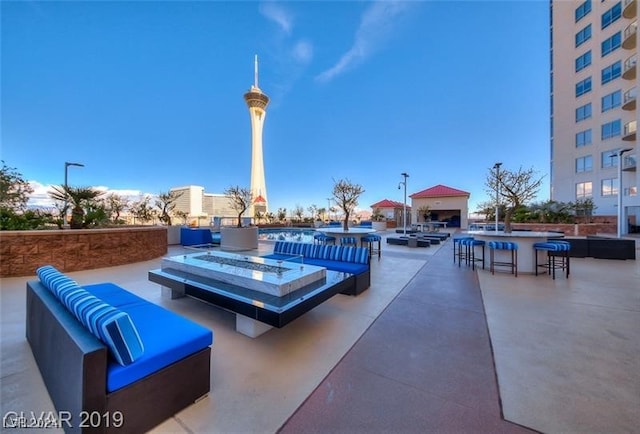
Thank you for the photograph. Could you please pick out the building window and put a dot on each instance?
(631, 191)
(584, 164)
(583, 138)
(583, 10)
(611, 15)
(611, 44)
(611, 129)
(611, 72)
(583, 61)
(609, 187)
(583, 190)
(583, 112)
(583, 86)
(583, 35)
(609, 159)
(612, 100)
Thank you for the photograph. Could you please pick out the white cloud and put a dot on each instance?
(302, 52)
(376, 25)
(40, 196)
(278, 14)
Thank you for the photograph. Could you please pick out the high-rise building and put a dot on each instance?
(594, 116)
(257, 102)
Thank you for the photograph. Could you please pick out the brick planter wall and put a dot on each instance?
(22, 252)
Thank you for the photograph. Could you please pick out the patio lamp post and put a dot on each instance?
(497, 167)
(404, 214)
(620, 212)
(329, 208)
(66, 186)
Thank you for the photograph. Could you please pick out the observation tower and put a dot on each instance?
(257, 102)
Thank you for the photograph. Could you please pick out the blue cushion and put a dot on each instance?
(114, 295)
(344, 267)
(502, 245)
(112, 326)
(168, 338)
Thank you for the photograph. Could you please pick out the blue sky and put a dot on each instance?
(149, 95)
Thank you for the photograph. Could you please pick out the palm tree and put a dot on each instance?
(78, 198)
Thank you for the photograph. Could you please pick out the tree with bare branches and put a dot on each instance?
(346, 194)
(166, 203)
(515, 188)
(241, 199)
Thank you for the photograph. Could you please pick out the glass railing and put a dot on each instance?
(631, 30)
(630, 128)
(629, 162)
(630, 63)
(630, 95)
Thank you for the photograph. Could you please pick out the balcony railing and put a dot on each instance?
(629, 38)
(629, 8)
(629, 70)
(629, 163)
(629, 99)
(630, 129)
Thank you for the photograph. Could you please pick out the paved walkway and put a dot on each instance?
(425, 365)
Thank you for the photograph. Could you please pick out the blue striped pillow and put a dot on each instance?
(112, 326)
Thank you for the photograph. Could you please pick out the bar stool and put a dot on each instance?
(503, 245)
(323, 239)
(349, 241)
(456, 242)
(554, 249)
(469, 254)
(369, 240)
(563, 253)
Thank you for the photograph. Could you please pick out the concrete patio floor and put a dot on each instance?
(430, 347)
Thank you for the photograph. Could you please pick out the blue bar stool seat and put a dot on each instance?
(349, 241)
(555, 249)
(369, 241)
(321, 238)
(456, 242)
(469, 254)
(503, 245)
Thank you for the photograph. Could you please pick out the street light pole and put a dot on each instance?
(497, 167)
(404, 214)
(620, 212)
(66, 187)
(329, 207)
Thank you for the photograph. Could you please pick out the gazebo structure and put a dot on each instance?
(392, 211)
(445, 204)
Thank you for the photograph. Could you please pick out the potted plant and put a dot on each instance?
(425, 212)
(378, 220)
(236, 238)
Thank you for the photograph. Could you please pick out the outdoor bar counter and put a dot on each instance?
(525, 241)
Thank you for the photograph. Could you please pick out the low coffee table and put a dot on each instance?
(256, 311)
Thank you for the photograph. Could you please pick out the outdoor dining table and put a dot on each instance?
(525, 241)
(340, 232)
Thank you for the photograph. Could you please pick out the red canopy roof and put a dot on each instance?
(386, 203)
(439, 191)
(260, 199)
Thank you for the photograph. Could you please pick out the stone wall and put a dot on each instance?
(570, 230)
(22, 252)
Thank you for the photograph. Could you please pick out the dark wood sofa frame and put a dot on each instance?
(73, 364)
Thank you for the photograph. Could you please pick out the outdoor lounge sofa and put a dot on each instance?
(346, 259)
(148, 364)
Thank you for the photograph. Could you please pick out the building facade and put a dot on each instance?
(442, 204)
(594, 116)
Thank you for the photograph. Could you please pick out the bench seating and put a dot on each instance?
(170, 371)
(346, 259)
(404, 241)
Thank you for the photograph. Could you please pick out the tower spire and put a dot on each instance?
(255, 71)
